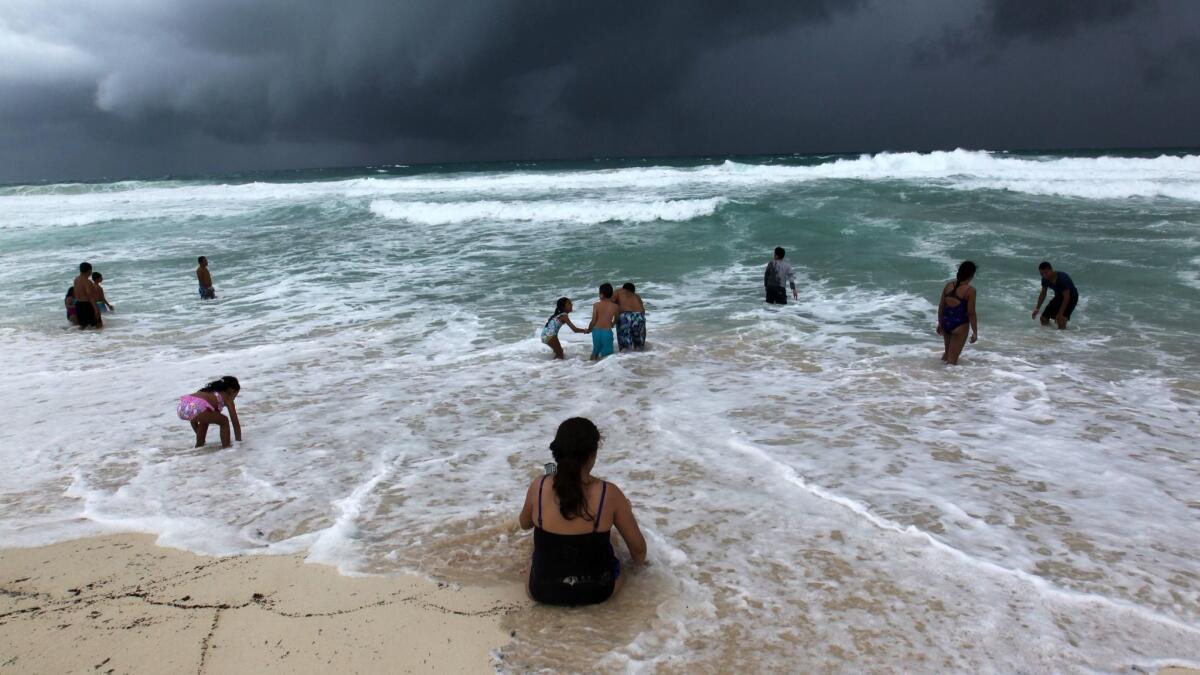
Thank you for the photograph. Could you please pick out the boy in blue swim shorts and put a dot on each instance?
(604, 314)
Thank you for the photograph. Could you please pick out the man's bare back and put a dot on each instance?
(204, 276)
(87, 313)
(628, 301)
(84, 289)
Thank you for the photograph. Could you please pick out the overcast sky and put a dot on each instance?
(150, 87)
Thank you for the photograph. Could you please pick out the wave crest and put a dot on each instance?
(584, 212)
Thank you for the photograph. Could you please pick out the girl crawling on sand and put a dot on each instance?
(204, 408)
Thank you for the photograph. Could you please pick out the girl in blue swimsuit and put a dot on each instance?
(956, 312)
(555, 323)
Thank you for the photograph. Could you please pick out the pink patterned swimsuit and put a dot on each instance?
(190, 406)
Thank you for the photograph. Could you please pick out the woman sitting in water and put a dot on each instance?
(204, 408)
(556, 322)
(956, 311)
(573, 559)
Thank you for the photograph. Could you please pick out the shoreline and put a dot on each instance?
(121, 604)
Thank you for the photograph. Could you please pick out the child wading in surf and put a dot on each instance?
(555, 323)
(70, 303)
(604, 315)
(204, 408)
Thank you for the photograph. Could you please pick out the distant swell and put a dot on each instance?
(1083, 177)
(637, 195)
(578, 212)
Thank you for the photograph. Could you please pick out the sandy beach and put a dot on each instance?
(120, 604)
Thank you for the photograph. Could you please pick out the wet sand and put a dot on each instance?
(120, 604)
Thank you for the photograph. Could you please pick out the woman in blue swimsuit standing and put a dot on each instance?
(572, 514)
(956, 312)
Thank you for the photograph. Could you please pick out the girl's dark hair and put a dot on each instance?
(966, 272)
(227, 383)
(70, 292)
(574, 444)
(559, 308)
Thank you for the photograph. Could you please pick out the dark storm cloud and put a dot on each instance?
(1000, 22)
(153, 86)
(1178, 61)
(367, 71)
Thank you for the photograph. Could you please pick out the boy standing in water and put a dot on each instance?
(207, 292)
(777, 274)
(631, 322)
(604, 313)
(101, 299)
(87, 313)
(1065, 296)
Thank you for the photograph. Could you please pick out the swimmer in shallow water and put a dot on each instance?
(69, 301)
(102, 301)
(604, 315)
(572, 514)
(204, 408)
(87, 312)
(1066, 296)
(204, 277)
(555, 323)
(956, 312)
(631, 322)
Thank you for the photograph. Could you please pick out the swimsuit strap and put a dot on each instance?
(540, 486)
(953, 293)
(600, 511)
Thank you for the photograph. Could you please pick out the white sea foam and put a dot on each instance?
(810, 478)
(590, 212)
(1191, 277)
(663, 192)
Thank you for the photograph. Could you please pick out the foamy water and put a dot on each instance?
(818, 491)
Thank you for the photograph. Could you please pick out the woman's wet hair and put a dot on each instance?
(966, 272)
(575, 443)
(96, 276)
(227, 383)
(559, 308)
(70, 292)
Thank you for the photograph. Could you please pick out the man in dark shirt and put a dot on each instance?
(777, 274)
(1065, 296)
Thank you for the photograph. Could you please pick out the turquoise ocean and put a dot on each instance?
(819, 492)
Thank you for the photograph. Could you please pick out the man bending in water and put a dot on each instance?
(1065, 296)
(207, 292)
(631, 322)
(604, 313)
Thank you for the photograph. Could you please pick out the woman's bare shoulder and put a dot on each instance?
(614, 489)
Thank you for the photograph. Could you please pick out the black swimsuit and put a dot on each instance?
(572, 569)
(953, 317)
